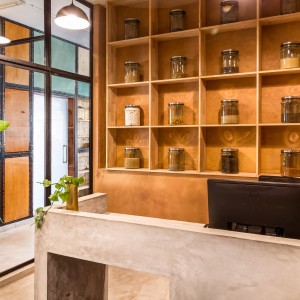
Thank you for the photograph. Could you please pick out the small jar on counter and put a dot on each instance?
(177, 20)
(229, 111)
(176, 159)
(178, 67)
(132, 115)
(131, 158)
(290, 109)
(132, 71)
(288, 6)
(229, 11)
(290, 55)
(290, 163)
(175, 113)
(229, 61)
(131, 28)
(229, 161)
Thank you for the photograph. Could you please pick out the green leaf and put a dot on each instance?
(46, 183)
(3, 125)
(39, 210)
(81, 180)
(53, 197)
(64, 196)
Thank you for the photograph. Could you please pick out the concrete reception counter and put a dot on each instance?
(74, 248)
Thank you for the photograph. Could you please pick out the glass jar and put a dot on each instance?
(229, 161)
(177, 20)
(229, 61)
(175, 115)
(290, 55)
(290, 163)
(288, 6)
(131, 158)
(290, 109)
(176, 159)
(131, 28)
(178, 66)
(132, 115)
(132, 71)
(229, 11)
(229, 111)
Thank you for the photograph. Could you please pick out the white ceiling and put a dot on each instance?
(31, 13)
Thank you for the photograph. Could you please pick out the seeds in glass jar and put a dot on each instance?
(176, 121)
(131, 163)
(292, 62)
(132, 76)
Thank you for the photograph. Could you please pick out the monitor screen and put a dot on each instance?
(270, 208)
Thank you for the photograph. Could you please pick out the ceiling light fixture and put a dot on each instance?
(8, 4)
(4, 40)
(72, 17)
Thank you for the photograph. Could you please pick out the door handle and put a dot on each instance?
(65, 154)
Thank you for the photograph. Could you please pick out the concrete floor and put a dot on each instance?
(122, 284)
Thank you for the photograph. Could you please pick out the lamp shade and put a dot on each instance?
(72, 17)
(4, 40)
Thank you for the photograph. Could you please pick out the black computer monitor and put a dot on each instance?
(270, 208)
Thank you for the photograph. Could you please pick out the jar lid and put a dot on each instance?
(130, 63)
(131, 105)
(229, 101)
(175, 103)
(229, 2)
(131, 148)
(229, 150)
(290, 44)
(177, 11)
(230, 51)
(290, 151)
(131, 20)
(176, 149)
(290, 98)
(178, 57)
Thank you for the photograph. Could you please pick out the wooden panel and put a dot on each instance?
(188, 93)
(242, 138)
(272, 37)
(243, 90)
(242, 40)
(16, 188)
(247, 11)
(184, 47)
(119, 97)
(17, 114)
(273, 140)
(270, 8)
(273, 88)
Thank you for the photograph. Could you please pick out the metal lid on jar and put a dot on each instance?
(230, 51)
(131, 20)
(290, 98)
(131, 106)
(229, 2)
(230, 150)
(290, 151)
(178, 57)
(229, 101)
(131, 148)
(176, 149)
(131, 63)
(175, 103)
(290, 44)
(177, 11)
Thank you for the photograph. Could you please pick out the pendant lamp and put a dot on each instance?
(4, 40)
(72, 17)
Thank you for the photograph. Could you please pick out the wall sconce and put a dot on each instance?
(72, 17)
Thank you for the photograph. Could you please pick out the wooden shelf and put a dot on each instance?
(258, 86)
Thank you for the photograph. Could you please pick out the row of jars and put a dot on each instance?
(229, 13)
(228, 112)
(289, 160)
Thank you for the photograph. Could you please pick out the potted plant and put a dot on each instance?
(66, 189)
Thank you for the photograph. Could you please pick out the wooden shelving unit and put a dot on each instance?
(258, 86)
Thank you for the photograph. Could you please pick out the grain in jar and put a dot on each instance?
(178, 67)
(132, 71)
(175, 113)
(229, 61)
(290, 163)
(290, 109)
(229, 161)
(131, 158)
(290, 55)
(177, 20)
(176, 159)
(229, 111)
(132, 115)
(229, 11)
(131, 28)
